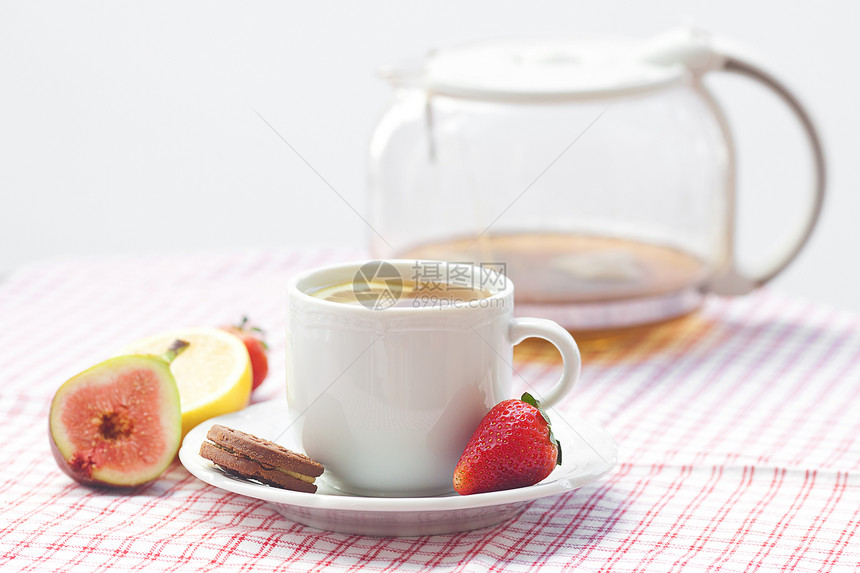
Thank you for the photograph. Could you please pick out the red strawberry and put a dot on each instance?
(512, 447)
(257, 348)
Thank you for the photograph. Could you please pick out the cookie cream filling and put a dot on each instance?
(302, 477)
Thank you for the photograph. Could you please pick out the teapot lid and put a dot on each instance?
(540, 69)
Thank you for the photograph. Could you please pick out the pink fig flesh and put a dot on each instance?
(117, 424)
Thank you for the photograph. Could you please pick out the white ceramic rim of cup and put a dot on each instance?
(294, 288)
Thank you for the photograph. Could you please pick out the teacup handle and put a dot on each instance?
(522, 328)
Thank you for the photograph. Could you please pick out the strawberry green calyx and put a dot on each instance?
(259, 333)
(532, 401)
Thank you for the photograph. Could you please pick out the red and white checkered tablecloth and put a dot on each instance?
(738, 435)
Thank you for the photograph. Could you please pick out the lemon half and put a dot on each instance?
(213, 374)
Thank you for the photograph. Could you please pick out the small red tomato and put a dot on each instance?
(257, 348)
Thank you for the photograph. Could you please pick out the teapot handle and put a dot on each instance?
(701, 53)
(731, 281)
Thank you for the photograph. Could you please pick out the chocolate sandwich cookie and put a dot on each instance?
(262, 460)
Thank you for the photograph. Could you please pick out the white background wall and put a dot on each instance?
(130, 128)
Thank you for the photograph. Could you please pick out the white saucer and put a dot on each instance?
(588, 454)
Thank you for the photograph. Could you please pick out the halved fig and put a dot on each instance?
(118, 424)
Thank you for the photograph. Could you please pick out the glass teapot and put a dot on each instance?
(598, 174)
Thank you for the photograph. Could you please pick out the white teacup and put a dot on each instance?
(386, 396)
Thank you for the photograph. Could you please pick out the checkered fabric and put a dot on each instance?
(738, 432)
